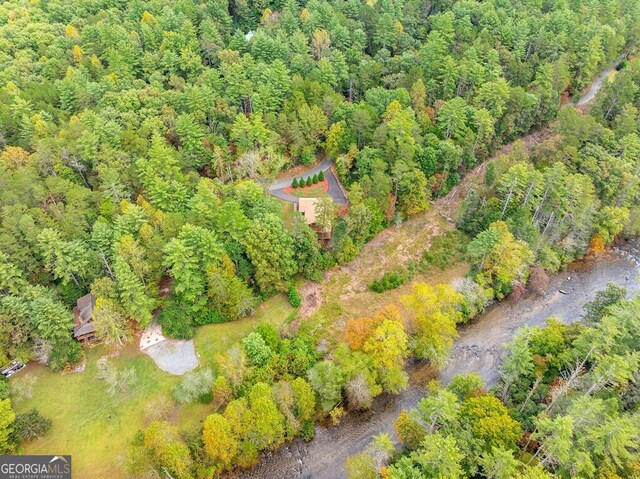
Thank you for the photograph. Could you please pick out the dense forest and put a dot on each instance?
(134, 133)
(137, 140)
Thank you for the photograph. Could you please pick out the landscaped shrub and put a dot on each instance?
(315, 178)
(321, 176)
(176, 323)
(294, 297)
(64, 353)
(309, 181)
(294, 183)
(388, 281)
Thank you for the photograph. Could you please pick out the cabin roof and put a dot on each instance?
(83, 329)
(83, 313)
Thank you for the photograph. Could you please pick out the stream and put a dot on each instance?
(478, 349)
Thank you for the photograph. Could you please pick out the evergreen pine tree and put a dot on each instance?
(321, 176)
(294, 183)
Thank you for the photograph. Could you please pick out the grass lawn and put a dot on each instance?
(319, 190)
(96, 428)
(287, 213)
(214, 338)
(92, 426)
(310, 192)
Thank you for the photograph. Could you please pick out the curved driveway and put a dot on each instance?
(324, 165)
(335, 192)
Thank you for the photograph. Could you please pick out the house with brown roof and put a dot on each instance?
(83, 329)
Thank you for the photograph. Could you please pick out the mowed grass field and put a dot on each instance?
(97, 428)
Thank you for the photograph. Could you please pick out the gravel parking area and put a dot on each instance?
(174, 356)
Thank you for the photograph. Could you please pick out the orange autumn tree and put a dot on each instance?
(358, 330)
(14, 156)
(382, 343)
(597, 244)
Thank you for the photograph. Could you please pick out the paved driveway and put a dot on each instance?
(597, 83)
(277, 188)
(322, 166)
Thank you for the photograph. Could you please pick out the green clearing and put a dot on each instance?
(86, 419)
(96, 428)
(287, 213)
(213, 338)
